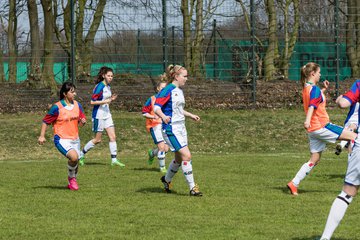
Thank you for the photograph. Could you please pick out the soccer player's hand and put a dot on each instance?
(326, 84)
(307, 125)
(41, 140)
(113, 97)
(82, 121)
(166, 119)
(196, 118)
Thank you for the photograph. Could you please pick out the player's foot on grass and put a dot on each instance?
(117, 163)
(163, 169)
(151, 157)
(167, 185)
(338, 149)
(81, 161)
(72, 184)
(292, 188)
(195, 191)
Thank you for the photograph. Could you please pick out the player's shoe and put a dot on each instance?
(167, 185)
(338, 149)
(293, 189)
(117, 163)
(195, 191)
(151, 157)
(163, 169)
(82, 161)
(72, 184)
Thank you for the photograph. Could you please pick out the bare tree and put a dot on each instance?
(276, 63)
(34, 75)
(2, 37)
(84, 43)
(353, 35)
(48, 63)
(12, 28)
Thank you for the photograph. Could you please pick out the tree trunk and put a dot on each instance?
(2, 74)
(197, 53)
(48, 63)
(352, 48)
(269, 60)
(12, 28)
(187, 32)
(34, 75)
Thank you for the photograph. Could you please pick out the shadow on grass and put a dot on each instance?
(318, 238)
(94, 164)
(285, 190)
(147, 169)
(159, 190)
(336, 176)
(52, 187)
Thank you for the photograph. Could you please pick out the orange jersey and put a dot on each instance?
(149, 108)
(313, 96)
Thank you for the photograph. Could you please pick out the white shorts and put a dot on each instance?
(175, 136)
(352, 176)
(98, 125)
(65, 145)
(156, 134)
(319, 138)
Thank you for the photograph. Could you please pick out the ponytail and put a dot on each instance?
(306, 70)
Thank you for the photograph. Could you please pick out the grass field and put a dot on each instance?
(242, 161)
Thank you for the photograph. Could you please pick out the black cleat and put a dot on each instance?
(195, 191)
(338, 149)
(167, 185)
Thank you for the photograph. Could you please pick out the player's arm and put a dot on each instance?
(41, 139)
(308, 117)
(97, 96)
(343, 102)
(159, 112)
(192, 116)
(82, 117)
(146, 110)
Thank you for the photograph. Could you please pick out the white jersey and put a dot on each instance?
(171, 100)
(101, 92)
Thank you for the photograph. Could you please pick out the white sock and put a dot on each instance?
(113, 151)
(173, 168)
(87, 148)
(343, 143)
(186, 167)
(155, 151)
(72, 171)
(301, 174)
(336, 214)
(161, 158)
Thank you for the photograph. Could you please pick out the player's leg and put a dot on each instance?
(97, 128)
(72, 169)
(342, 201)
(113, 147)
(338, 209)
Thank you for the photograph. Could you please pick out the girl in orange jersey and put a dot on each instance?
(317, 123)
(153, 126)
(65, 116)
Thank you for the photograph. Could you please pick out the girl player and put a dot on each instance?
(153, 126)
(65, 116)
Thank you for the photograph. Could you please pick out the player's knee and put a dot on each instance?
(112, 139)
(97, 141)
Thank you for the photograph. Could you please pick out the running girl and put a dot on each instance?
(65, 116)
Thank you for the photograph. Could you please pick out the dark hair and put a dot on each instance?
(103, 70)
(306, 70)
(65, 88)
(172, 71)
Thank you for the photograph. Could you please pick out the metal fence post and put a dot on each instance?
(252, 32)
(215, 58)
(164, 35)
(173, 45)
(337, 47)
(138, 52)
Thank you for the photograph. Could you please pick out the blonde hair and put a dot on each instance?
(172, 71)
(162, 79)
(306, 70)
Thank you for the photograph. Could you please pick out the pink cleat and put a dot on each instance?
(73, 184)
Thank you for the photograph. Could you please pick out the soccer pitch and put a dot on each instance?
(242, 161)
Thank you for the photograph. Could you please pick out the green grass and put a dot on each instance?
(242, 161)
